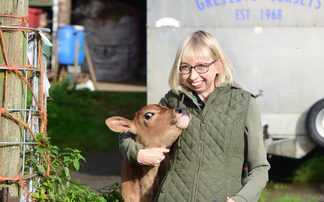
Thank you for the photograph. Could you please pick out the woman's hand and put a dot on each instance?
(152, 156)
(230, 200)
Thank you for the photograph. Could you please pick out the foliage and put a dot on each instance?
(280, 186)
(310, 170)
(54, 182)
(307, 169)
(76, 118)
(264, 196)
(110, 192)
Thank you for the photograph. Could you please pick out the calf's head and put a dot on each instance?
(153, 125)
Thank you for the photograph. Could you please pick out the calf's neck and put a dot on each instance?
(154, 126)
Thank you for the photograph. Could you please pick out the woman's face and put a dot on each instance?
(202, 84)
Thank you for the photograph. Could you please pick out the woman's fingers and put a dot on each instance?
(151, 156)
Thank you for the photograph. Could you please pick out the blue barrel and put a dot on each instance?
(67, 36)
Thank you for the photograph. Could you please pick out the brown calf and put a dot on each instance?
(154, 126)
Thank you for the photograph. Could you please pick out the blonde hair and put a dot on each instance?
(199, 44)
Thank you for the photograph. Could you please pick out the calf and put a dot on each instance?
(154, 126)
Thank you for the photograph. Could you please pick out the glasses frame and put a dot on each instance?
(194, 67)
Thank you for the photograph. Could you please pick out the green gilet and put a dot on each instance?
(206, 161)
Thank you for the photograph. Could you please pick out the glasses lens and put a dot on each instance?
(202, 68)
(184, 69)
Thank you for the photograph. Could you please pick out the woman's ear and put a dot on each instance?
(220, 78)
(220, 61)
(220, 65)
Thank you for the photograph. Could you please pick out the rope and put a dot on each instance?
(23, 22)
(3, 110)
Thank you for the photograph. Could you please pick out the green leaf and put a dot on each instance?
(36, 195)
(76, 164)
(40, 168)
(42, 191)
(39, 136)
(55, 150)
(66, 172)
(81, 157)
(40, 151)
(34, 160)
(66, 159)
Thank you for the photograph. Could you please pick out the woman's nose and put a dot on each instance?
(193, 74)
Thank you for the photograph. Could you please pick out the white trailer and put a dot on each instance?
(274, 45)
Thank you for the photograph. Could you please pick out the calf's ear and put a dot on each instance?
(119, 124)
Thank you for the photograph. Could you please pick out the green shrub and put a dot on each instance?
(110, 192)
(311, 170)
(53, 182)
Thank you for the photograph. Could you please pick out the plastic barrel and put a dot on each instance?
(67, 36)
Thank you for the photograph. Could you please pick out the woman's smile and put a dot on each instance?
(196, 84)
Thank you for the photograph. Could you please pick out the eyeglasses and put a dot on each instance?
(200, 68)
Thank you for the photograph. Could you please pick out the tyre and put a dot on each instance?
(315, 123)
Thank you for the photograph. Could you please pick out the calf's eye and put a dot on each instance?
(148, 115)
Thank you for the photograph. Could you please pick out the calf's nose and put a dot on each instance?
(182, 111)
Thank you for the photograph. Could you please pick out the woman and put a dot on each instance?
(225, 131)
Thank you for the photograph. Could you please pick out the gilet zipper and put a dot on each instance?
(200, 150)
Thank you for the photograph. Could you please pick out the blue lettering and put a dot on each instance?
(201, 4)
(232, 1)
(319, 4)
(215, 2)
(296, 2)
(279, 16)
(242, 15)
(302, 3)
(280, 0)
(209, 4)
(224, 1)
(288, 1)
(310, 3)
(237, 14)
(239, 0)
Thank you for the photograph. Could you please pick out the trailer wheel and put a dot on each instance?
(315, 123)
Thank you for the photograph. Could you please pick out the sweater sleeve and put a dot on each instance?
(257, 162)
(127, 145)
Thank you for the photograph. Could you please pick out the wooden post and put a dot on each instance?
(90, 65)
(15, 44)
(76, 60)
(56, 67)
(65, 12)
